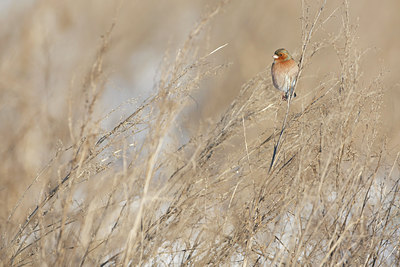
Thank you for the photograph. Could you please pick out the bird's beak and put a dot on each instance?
(275, 56)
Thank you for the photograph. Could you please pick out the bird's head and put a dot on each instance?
(281, 55)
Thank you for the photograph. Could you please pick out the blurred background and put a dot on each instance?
(46, 46)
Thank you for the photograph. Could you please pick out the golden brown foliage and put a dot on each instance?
(151, 182)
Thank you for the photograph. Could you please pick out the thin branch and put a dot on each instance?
(302, 57)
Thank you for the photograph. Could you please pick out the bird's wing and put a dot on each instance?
(290, 79)
(292, 75)
(287, 83)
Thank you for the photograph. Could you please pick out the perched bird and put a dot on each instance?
(284, 72)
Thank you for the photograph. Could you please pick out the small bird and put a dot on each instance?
(284, 72)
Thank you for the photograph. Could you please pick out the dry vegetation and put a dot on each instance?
(307, 182)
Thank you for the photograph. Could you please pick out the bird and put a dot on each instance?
(284, 72)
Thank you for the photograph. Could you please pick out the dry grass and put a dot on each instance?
(307, 182)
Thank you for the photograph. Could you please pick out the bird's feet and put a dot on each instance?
(285, 96)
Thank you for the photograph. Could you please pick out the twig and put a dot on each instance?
(245, 143)
(304, 49)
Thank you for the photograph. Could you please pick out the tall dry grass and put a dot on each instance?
(303, 182)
